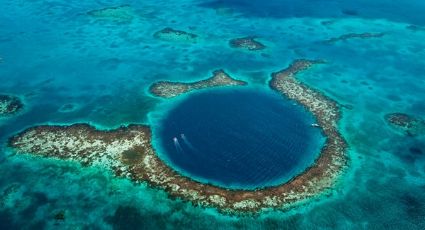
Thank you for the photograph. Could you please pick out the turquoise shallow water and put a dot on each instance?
(54, 54)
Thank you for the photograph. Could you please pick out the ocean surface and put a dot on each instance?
(53, 54)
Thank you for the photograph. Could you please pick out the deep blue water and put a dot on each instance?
(239, 138)
(410, 11)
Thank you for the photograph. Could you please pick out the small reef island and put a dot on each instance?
(248, 43)
(169, 89)
(10, 105)
(405, 123)
(129, 153)
(172, 35)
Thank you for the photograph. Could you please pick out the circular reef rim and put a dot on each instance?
(128, 152)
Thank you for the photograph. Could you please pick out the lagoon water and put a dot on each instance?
(53, 54)
(242, 139)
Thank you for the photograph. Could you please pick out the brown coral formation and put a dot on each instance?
(169, 89)
(129, 153)
(170, 34)
(248, 43)
(406, 123)
(10, 105)
(354, 35)
(83, 143)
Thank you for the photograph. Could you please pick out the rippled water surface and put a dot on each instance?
(240, 138)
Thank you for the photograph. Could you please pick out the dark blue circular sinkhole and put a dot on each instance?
(241, 139)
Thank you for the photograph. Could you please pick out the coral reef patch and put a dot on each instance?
(248, 43)
(67, 108)
(172, 35)
(405, 123)
(10, 105)
(169, 89)
(84, 143)
(353, 36)
(123, 13)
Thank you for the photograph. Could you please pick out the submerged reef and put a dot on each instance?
(169, 89)
(67, 108)
(10, 105)
(415, 28)
(129, 153)
(7, 196)
(123, 13)
(406, 123)
(248, 43)
(354, 35)
(172, 35)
